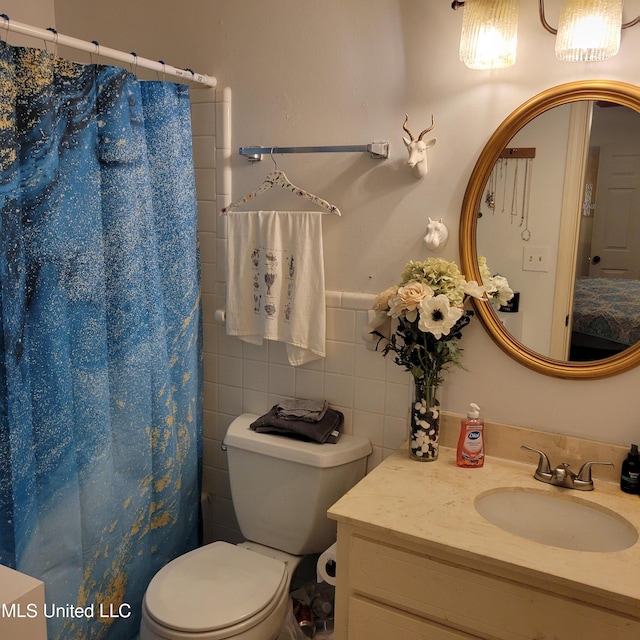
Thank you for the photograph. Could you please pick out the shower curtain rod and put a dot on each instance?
(51, 35)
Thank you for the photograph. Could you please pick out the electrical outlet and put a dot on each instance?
(535, 259)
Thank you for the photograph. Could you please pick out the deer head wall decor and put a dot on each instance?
(418, 149)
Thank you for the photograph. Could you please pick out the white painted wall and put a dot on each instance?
(310, 72)
(40, 13)
(336, 71)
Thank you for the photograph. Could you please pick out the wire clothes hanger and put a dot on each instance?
(277, 178)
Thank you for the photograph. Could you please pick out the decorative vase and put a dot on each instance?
(424, 436)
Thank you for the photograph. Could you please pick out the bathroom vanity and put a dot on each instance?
(417, 561)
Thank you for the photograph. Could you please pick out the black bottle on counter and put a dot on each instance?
(630, 477)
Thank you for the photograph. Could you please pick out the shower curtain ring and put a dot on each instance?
(134, 68)
(55, 41)
(97, 52)
(275, 164)
(7, 21)
(164, 66)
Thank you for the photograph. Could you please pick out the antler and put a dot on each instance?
(404, 126)
(427, 129)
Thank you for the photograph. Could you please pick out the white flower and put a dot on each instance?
(422, 312)
(497, 287)
(408, 298)
(437, 316)
(381, 301)
(473, 289)
(485, 272)
(378, 321)
(503, 293)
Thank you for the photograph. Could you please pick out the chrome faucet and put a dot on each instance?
(562, 476)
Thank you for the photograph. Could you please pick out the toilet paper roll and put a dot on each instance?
(326, 567)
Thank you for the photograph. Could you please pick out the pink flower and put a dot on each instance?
(408, 299)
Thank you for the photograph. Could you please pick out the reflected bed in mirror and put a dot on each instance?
(553, 203)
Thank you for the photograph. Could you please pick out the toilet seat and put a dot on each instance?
(215, 587)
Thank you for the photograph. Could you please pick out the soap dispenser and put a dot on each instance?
(630, 477)
(471, 441)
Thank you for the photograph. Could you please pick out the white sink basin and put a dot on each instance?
(558, 520)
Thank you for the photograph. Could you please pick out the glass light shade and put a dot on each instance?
(489, 33)
(589, 30)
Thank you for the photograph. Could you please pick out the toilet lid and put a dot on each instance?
(213, 587)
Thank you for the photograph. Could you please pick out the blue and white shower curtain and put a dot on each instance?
(100, 365)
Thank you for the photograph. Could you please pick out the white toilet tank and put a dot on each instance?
(282, 487)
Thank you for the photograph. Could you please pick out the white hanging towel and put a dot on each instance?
(275, 280)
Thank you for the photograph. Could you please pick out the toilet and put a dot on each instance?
(281, 489)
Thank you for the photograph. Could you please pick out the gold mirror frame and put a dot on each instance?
(621, 93)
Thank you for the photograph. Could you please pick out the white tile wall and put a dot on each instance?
(372, 392)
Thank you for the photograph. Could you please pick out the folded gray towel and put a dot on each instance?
(325, 431)
(301, 409)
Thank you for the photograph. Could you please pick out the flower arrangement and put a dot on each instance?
(427, 309)
(496, 287)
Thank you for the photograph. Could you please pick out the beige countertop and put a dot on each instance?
(431, 504)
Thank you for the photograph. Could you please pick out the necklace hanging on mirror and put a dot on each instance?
(526, 196)
(490, 199)
(524, 192)
(503, 163)
(514, 193)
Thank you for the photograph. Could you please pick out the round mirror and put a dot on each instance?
(534, 209)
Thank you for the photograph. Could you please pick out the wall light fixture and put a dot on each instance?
(489, 33)
(588, 31)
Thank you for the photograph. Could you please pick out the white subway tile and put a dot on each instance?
(224, 175)
(255, 402)
(208, 278)
(397, 400)
(333, 298)
(368, 395)
(368, 364)
(395, 432)
(230, 400)
(209, 396)
(395, 373)
(223, 125)
(228, 345)
(357, 301)
(209, 337)
(338, 389)
(203, 119)
(278, 353)
(255, 375)
(258, 352)
(341, 324)
(205, 184)
(207, 243)
(207, 216)
(309, 384)
(282, 380)
(340, 357)
(210, 366)
(204, 154)
(230, 371)
(370, 426)
(221, 260)
(209, 424)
